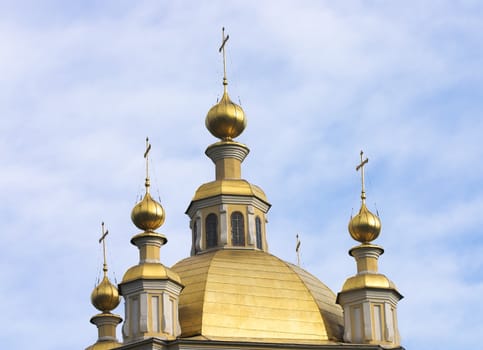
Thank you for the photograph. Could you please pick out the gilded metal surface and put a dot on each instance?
(226, 120)
(148, 214)
(368, 280)
(365, 226)
(150, 271)
(236, 187)
(254, 296)
(105, 296)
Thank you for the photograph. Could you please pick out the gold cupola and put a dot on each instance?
(225, 120)
(148, 214)
(105, 298)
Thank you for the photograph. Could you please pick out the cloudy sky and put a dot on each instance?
(83, 83)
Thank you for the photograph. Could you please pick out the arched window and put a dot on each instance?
(258, 231)
(237, 229)
(211, 231)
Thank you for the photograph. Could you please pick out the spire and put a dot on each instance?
(365, 226)
(225, 120)
(146, 156)
(297, 249)
(224, 39)
(105, 298)
(361, 167)
(148, 214)
(103, 240)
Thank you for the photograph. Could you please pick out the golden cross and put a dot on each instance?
(146, 153)
(224, 39)
(297, 249)
(361, 166)
(102, 239)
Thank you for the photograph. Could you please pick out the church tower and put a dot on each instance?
(369, 299)
(150, 289)
(105, 298)
(229, 212)
(235, 290)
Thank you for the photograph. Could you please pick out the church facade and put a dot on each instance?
(231, 293)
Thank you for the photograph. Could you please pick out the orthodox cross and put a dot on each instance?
(146, 153)
(361, 167)
(224, 39)
(297, 249)
(103, 241)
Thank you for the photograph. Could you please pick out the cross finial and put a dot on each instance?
(146, 153)
(224, 39)
(297, 249)
(103, 241)
(361, 167)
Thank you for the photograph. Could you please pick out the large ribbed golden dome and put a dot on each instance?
(365, 226)
(254, 296)
(148, 214)
(105, 296)
(226, 120)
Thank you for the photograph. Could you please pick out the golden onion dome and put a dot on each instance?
(226, 120)
(252, 295)
(148, 214)
(368, 280)
(365, 226)
(105, 296)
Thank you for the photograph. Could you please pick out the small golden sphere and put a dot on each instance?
(365, 226)
(226, 120)
(105, 296)
(148, 215)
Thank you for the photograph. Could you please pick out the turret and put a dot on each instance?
(150, 289)
(105, 298)
(369, 299)
(229, 212)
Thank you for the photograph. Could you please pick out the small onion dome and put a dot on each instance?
(365, 226)
(226, 120)
(105, 296)
(148, 215)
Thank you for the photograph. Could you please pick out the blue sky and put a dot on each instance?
(83, 84)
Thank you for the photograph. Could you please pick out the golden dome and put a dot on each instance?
(148, 215)
(368, 280)
(365, 226)
(151, 271)
(237, 187)
(226, 120)
(105, 296)
(254, 296)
